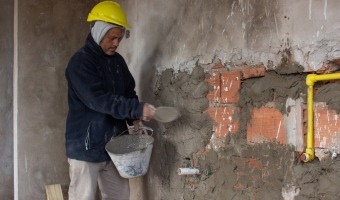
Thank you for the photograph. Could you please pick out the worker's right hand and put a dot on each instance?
(148, 112)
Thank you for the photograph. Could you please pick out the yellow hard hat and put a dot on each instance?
(108, 11)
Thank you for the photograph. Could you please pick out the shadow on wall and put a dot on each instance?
(146, 78)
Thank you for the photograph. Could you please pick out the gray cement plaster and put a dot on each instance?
(49, 32)
(246, 31)
(6, 99)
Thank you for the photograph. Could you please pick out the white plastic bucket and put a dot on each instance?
(131, 154)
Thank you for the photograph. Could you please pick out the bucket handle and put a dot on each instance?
(144, 129)
(141, 129)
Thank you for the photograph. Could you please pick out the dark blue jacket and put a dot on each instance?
(101, 99)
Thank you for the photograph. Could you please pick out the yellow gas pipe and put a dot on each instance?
(310, 80)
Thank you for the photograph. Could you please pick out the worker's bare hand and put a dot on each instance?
(137, 124)
(148, 112)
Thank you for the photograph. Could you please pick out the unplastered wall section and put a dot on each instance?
(267, 121)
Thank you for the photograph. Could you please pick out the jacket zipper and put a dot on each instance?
(87, 139)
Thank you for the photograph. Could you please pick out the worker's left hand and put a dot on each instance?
(137, 124)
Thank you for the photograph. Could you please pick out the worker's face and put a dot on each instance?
(111, 40)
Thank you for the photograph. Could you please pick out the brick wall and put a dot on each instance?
(326, 127)
(267, 123)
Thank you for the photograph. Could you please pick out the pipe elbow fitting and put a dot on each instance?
(310, 79)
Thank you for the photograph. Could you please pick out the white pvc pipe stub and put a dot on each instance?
(188, 171)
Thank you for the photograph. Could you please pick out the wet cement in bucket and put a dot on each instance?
(128, 143)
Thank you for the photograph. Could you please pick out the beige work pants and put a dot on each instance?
(85, 176)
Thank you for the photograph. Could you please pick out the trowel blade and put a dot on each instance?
(166, 114)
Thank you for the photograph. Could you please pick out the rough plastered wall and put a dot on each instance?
(236, 69)
(176, 40)
(6, 98)
(49, 32)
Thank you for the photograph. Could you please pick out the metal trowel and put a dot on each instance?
(166, 114)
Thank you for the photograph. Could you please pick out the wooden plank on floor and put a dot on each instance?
(54, 192)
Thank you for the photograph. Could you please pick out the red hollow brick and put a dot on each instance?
(267, 124)
(253, 72)
(214, 82)
(253, 163)
(230, 86)
(326, 128)
(225, 122)
(217, 66)
(247, 169)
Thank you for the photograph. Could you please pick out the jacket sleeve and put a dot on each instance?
(90, 90)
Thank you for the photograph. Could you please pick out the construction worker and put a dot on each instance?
(102, 101)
